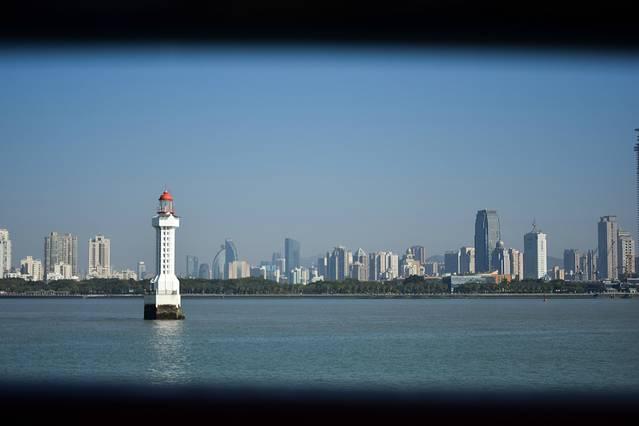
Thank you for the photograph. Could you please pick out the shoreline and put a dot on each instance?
(616, 295)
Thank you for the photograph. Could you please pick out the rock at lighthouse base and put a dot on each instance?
(163, 312)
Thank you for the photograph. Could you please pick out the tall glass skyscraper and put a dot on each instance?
(230, 255)
(192, 266)
(487, 233)
(230, 251)
(292, 250)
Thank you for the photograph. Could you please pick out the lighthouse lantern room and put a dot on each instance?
(163, 300)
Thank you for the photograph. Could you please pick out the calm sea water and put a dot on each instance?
(402, 344)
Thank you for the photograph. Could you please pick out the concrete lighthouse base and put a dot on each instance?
(163, 307)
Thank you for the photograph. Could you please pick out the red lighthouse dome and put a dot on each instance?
(166, 203)
(166, 196)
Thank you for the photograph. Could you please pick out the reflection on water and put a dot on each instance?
(167, 353)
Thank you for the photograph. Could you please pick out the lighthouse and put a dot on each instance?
(163, 300)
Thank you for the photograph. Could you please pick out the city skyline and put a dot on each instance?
(548, 134)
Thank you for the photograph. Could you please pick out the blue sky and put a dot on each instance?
(379, 149)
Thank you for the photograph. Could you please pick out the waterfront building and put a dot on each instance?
(99, 257)
(451, 262)
(431, 269)
(583, 268)
(359, 267)
(60, 248)
(338, 264)
(280, 264)
(192, 266)
(218, 265)
(239, 269)
(571, 263)
(501, 259)
(5, 252)
(557, 273)
(31, 268)
(419, 254)
(607, 233)
(625, 253)
(298, 275)
(592, 263)
(376, 265)
(63, 270)
(455, 281)
(487, 233)
(204, 271)
(272, 273)
(125, 274)
(164, 300)
(410, 266)
(259, 272)
(392, 266)
(141, 270)
(230, 255)
(292, 250)
(516, 264)
(535, 254)
(230, 251)
(322, 265)
(467, 260)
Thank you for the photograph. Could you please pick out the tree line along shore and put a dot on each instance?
(258, 286)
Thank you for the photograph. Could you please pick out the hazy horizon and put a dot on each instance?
(374, 149)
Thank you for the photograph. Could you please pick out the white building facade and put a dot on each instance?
(99, 257)
(535, 255)
(5, 252)
(31, 269)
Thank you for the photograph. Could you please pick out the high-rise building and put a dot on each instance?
(338, 264)
(259, 272)
(192, 266)
(451, 262)
(409, 266)
(431, 269)
(607, 230)
(467, 260)
(376, 265)
(582, 275)
(5, 252)
(292, 250)
(230, 251)
(571, 263)
(239, 269)
(204, 271)
(32, 268)
(487, 233)
(298, 275)
(99, 257)
(322, 265)
(625, 253)
(419, 254)
(359, 268)
(280, 264)
(60, 248)
(557, 273)
(535, 254)
(501, 259)
(592, 263)
(516, 264)
(141, 270)
(392, 266)
(230, 255)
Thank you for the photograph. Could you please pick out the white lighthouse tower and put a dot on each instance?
(163, 300)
